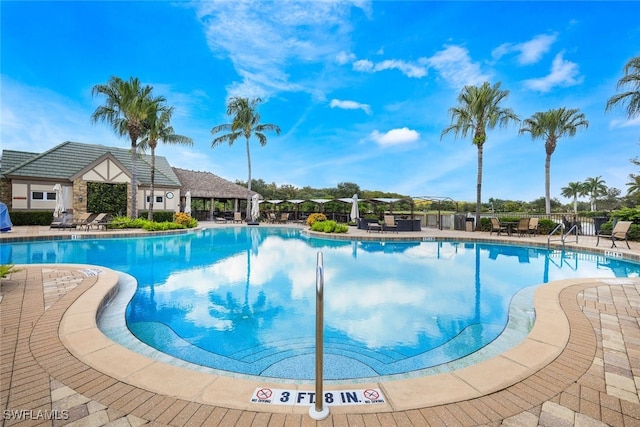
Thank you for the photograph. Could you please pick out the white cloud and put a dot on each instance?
(530, 51)
(395, 136)
(563, 73)
(617, 123)
(262, 39)
(344, 57)
(350, 105)
(455, 66)
(406, 68)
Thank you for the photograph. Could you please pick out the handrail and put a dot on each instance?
(563, 237)
(317, 411)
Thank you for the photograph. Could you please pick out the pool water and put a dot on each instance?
(242, 299)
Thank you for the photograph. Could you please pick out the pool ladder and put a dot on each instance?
(563, 237)
(319, 411)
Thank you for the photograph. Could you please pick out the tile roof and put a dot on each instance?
(208, 185)
(67, 159)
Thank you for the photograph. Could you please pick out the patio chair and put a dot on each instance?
(496, 226)
(100, 221)
(523, 227)
(237, 217)
(284, 218)
(62, 222)
(374, 226)
(533, 225)
(390, 223)
(620, 232)
(82, 220)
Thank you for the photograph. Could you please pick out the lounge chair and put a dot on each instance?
(523, 227)
(284, 218)
(496, 226)
(619, 232)
(237, 217)
(98, 222)
(533, 225)
(62, 222)
(390, 223)
(82, 220)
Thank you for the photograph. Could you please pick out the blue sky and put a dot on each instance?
(360, 89)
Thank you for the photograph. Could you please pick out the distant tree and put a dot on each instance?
(347, 189)
(539, 205)
(245, 122)
(125, 109)
(478, 110)
(552, 125)
(157, 127)
(573, 190)
(594, 188)
(611, 199)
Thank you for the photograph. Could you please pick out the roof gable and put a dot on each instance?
(67, 160)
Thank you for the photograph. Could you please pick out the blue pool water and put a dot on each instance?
(242, 299)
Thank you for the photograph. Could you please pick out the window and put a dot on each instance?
(43, 195)
(158, 199)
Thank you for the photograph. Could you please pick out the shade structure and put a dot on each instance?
(255, 207)
(187, 203)
(59, 210)
(355, 211)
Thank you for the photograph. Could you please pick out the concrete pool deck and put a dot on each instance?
(579, 366)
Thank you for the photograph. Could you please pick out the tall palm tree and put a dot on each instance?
(478, 110)
(125, 109)
(245, 122)
(630, 97)
(157, 127)
(594, 188)
(552, 125)
(574, 190)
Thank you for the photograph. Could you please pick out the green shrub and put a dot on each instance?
(317, 226)
(31, 218)
(341, 228)
(162, 226)
(159, 216)
(329, 226)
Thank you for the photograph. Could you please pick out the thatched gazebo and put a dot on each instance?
(210, 188)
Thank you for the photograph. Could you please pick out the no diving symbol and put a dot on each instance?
(371, 394)
(264, 393)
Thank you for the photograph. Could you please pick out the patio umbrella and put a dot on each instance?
(355, 212)
(255, 207)
(187, 203)
(58, 211)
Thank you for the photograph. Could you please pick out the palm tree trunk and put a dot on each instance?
(547, 184)
(153, 178)
(248, 210)
(479, 188)
(134, 176)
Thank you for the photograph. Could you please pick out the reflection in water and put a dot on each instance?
(242, 299)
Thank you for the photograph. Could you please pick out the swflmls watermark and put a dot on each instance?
(29, 415)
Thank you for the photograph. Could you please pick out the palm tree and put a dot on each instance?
(634, 185)
(594, 188)
(125, 109)
(574, 190)
(246, 122)
(630, 97)
(478, 110)
(157, 127)
(552, 125)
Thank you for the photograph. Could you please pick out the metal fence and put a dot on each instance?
(588, 225)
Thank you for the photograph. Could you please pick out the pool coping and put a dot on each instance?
(79, 333)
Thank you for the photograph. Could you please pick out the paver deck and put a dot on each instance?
(579, 366)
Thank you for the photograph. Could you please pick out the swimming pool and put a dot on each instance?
(242, 299)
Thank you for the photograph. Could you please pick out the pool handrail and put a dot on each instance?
(318, 411)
